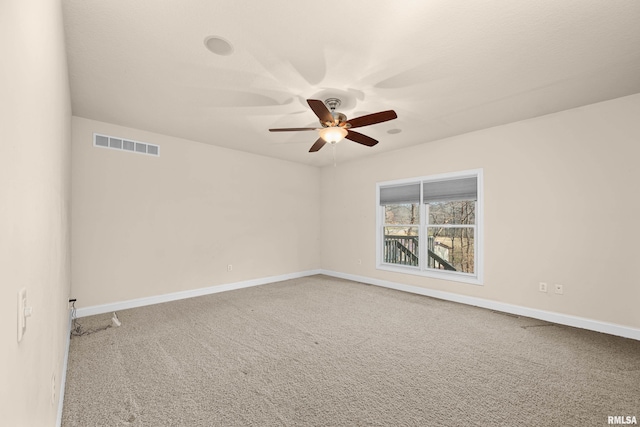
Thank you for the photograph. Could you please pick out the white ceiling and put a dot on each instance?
(446, 67)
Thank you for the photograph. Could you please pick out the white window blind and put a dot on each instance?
(450, 190)
(399, 194)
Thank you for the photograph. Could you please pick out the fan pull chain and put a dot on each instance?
(333, 146)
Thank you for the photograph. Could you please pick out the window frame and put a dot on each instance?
(422, 270)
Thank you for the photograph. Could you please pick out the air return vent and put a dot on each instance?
(125, 145)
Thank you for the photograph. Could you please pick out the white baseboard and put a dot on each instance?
(548, 316)
(562, 319)
(63, 375)
(140, 302)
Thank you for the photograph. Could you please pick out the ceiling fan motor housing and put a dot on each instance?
(338, 118)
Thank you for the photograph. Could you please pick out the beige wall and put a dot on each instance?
(146, 226)
(35, 117)
(561, 200)
(564, 184)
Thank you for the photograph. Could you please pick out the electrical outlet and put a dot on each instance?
(229, 267)
(359, 262)
(542, 287)
(558, 288)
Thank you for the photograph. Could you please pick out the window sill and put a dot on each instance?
(416, 271)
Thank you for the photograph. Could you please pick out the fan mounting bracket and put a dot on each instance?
(332, 103)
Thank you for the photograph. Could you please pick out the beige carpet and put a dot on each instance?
(320, 351)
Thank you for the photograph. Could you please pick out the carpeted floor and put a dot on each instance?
(320, 351)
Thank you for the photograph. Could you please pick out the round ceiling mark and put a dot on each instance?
(394, 131)
(218, 45)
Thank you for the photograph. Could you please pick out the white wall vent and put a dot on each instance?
(115, 143)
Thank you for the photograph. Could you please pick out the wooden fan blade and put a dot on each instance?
(318, 145)
(372, 119)
(320, 110)
(361, 138)
(290, 129)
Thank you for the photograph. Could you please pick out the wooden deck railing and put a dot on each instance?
(403, 250)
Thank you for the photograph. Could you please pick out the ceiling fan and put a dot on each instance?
(335, 125)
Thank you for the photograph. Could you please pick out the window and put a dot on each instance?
(431, 226)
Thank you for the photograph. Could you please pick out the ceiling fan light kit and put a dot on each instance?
(333, 134)
(335, 126)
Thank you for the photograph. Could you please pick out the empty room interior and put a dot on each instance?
(287, 213)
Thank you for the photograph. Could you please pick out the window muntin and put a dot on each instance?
(431, 226)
